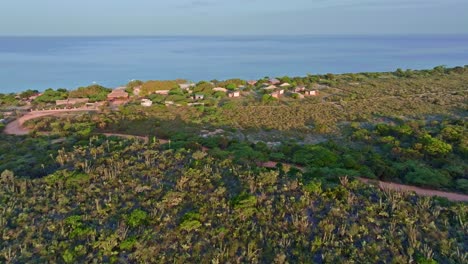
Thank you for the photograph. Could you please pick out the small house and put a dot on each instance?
(271, 87)
(285, 85)
(274, 81)
(117, 95)
(234, 94)
(186, 86)
(311, 93)
(146, 102)
(219, 89)
(164, 92)
(299, 89)
(276, 94)
(281, 91)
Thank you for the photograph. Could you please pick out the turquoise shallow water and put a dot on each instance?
(69, 62)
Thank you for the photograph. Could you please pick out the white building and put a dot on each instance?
(146, 102)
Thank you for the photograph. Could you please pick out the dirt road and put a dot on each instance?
(419, 191)
(16, 127)
(392, 186)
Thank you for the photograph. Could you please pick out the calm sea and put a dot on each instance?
(69, 62)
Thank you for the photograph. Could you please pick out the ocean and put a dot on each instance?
(69, 62)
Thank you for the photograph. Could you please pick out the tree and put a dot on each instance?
(50, 96)
(231, 86)
(452, 133)
(434, 146)
(137, 217)
(315, 156)
(93, 92)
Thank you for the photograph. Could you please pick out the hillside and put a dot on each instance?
(248, 179)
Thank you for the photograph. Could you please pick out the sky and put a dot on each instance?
(232, 17)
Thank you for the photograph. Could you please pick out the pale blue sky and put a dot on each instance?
(232, 17)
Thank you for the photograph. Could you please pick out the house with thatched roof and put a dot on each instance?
(274, 81)
(117, 94)
(271, 87)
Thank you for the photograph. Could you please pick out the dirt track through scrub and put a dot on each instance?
(16, 127)
(457, 197)
(419, 191)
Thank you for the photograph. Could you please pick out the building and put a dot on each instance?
(274, 81)
(276, 94)
(118, 94)
(285, 85)
(164, 92)
(271, 87)
(311, 93)
(220, 89)
(234, 94)
(299, 89)
(146, 102)
(72, 101)
(186, 86)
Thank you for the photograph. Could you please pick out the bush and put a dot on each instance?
(137, 218)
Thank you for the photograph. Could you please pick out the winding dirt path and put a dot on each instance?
(419, 191)
(16, 127)
(457, 197)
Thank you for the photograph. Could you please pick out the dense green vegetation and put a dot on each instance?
(72, 195)
(93, 92)
(51, 95)
(120, 201)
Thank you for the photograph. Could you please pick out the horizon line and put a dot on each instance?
(240, 35)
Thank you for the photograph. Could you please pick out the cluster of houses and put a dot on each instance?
(188, 87)
(274, 87)
(277, 89)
